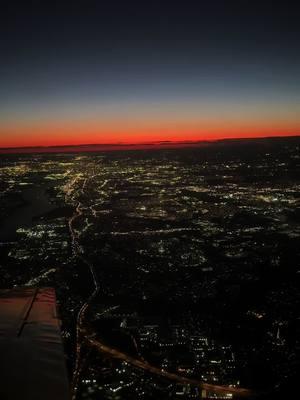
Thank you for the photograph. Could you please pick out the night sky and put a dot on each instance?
(106, 72)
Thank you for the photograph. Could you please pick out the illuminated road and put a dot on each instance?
(240, 392)
(77, 252)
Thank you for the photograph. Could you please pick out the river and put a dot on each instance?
(36, 203)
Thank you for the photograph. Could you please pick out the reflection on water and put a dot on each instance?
(36, 203)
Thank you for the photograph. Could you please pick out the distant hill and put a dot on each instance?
(144, 146)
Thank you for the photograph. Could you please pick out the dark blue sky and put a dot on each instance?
(61, 60)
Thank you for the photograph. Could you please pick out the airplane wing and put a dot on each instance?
(32, 361)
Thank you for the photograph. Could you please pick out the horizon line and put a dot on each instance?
(141, 145)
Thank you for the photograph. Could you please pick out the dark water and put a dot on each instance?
(36, 203)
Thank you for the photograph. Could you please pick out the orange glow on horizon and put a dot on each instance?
(83, 132)
(138, 124)
(133, 139)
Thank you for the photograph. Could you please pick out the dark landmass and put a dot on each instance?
(194, 253)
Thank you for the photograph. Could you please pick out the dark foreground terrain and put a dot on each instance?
(180, 266)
